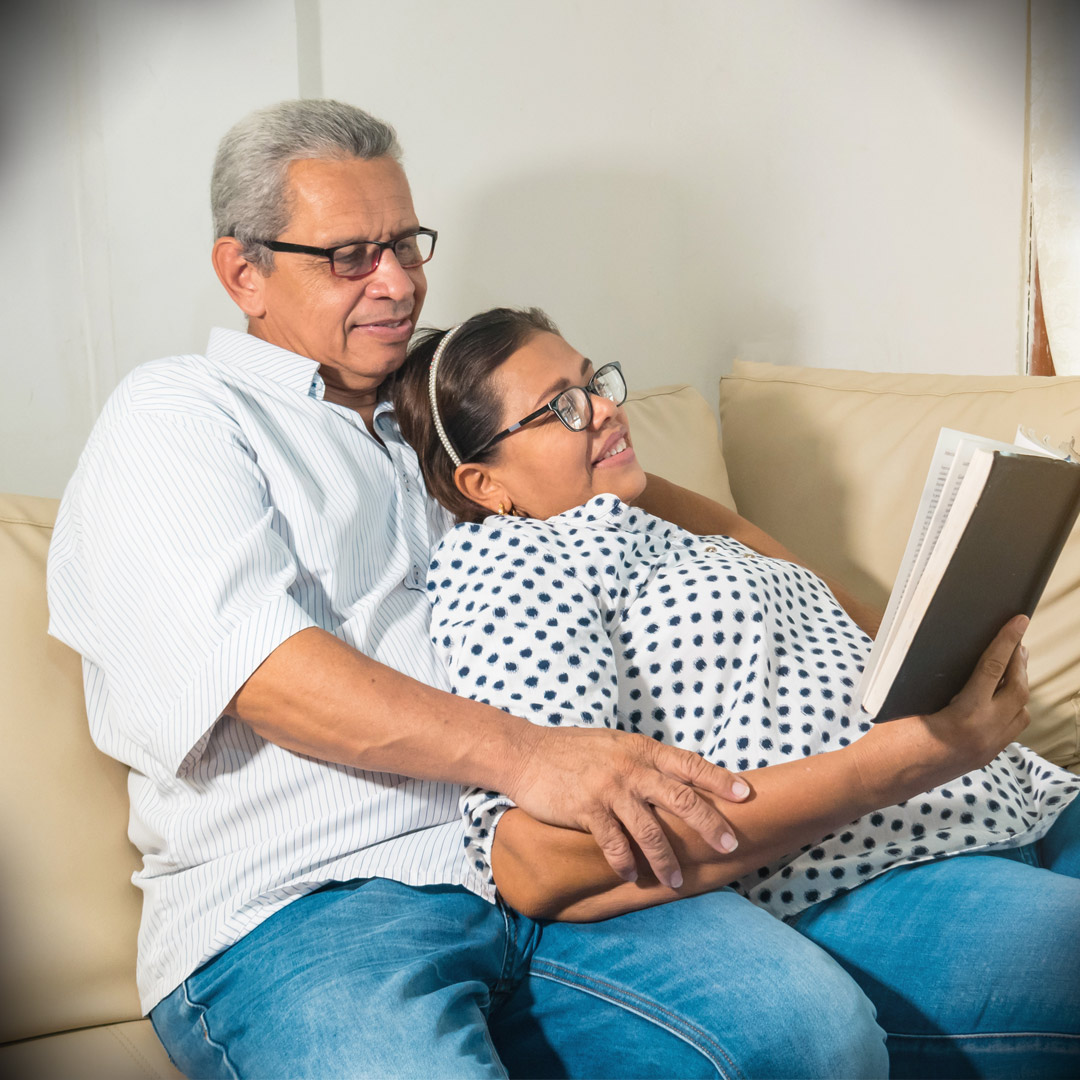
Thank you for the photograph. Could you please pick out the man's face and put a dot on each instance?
(357, 330)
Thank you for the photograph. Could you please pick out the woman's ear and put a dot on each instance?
(478, 485)
(242, 281)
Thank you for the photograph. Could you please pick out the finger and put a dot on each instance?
(698, 813)
(695, 770)
(640, 822)
(1013, 688)
(612, 841)
(984, 680)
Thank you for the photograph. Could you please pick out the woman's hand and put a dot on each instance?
(988, 714)
(609, 783)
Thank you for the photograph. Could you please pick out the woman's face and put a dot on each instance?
(545, 468)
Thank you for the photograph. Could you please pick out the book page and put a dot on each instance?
(923, 586)
(942, 481)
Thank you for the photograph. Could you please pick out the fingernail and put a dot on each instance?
(728, 842)
(631, 877)
(740, 789)
(676, 880)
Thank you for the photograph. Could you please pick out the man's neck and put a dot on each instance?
(360, 401)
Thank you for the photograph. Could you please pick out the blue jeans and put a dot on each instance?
(973, 962)
(376, 979)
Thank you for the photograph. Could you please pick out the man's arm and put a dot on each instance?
(557, 874)
(706, 517)
(318, 696)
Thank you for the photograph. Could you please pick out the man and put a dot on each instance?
(240, 559)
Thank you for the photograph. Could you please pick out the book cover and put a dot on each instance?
(1000, 565)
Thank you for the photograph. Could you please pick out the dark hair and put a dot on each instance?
(468, 407)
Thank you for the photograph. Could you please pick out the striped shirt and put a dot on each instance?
(222, 505)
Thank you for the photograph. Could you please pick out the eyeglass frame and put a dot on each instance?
(590, 393)
(381, 245)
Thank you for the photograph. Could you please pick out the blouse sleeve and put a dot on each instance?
(518, 621)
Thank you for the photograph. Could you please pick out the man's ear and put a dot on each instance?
(242, 281)
(478, 485)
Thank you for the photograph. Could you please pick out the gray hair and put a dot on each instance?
(249, 194)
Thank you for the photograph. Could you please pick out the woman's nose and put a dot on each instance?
(603, 409)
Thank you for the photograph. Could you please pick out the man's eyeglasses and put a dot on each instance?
(573, 406)
(361, 257)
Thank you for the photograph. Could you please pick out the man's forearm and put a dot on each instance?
(318, 696)
(559, 874)
(706, 517)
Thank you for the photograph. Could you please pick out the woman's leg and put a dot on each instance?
(1059, 849)
(973, 962)
(710, 986)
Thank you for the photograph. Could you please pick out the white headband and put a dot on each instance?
(432, 374)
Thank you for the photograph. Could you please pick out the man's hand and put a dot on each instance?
(607, 783)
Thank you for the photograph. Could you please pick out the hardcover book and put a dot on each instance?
(991, 524)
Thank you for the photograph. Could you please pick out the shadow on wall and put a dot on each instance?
(631, 265)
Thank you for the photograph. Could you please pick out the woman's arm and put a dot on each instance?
(560, 874)
(706, 517)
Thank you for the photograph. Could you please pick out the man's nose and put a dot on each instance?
(390, 279)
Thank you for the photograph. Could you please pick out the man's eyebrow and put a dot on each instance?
(409, 230)
(561, 384)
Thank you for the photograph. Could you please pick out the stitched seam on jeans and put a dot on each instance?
(201, 1009)
(989, 1035)
(647, 1010)
(510, 927)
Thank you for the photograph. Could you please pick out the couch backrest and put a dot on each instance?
(69, 914)
(832, 463)
(675, 436)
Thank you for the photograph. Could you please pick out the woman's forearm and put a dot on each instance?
(560, 874)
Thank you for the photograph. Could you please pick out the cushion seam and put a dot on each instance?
(764, 381)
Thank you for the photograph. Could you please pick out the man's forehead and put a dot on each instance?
(349, 198)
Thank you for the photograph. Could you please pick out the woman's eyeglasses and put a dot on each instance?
(573, 406)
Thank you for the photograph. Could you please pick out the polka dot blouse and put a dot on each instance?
(606, 616)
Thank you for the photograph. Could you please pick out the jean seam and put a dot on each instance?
(987, 1035)
(648, 1010)
(202, 1010)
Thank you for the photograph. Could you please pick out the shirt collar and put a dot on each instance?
(247, 353)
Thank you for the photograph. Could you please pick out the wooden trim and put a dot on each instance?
(1042, 363)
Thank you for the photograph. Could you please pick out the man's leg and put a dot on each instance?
(708, 986)
(973, 963)
(364, 979)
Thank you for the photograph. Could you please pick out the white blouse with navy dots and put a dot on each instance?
(608, 616)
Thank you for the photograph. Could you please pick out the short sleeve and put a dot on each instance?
(517, 627)
(170, 574)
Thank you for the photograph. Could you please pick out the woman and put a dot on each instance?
(555, 599)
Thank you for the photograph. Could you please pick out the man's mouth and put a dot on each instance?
(388, 331)
(390, 324)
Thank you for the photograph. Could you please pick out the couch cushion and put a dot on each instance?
(69, 914)
(832, 464)
(129, 1051)
(675, 436)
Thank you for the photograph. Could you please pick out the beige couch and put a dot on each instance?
(831, 463)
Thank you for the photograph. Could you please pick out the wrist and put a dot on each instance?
(895, 761)
(500, 757)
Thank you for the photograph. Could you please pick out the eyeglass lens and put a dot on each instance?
(573, 406)
(356, 260)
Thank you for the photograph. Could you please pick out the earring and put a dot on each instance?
(501, 511)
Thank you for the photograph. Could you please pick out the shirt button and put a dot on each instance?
(710, 549)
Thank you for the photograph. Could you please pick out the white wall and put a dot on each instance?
(836, 183)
